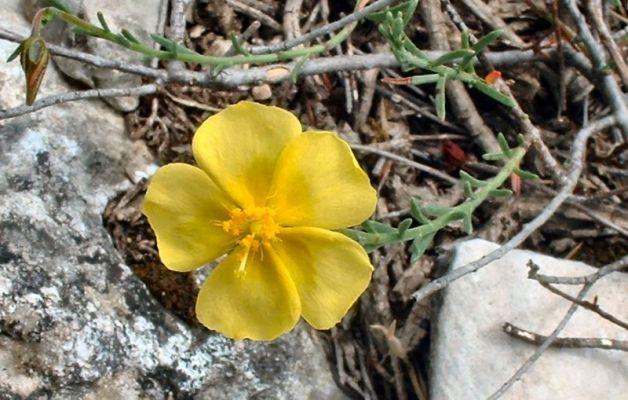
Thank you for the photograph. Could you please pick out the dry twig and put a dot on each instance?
(595, 343)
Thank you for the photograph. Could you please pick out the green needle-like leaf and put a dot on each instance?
(500, 193)
(494, 156)
(417, 213)
(102, 21)
(419, 245)
(526, 175)
(377, 227)
(503, 145)
(423, 79)
(435, 211)
(451, 56)
(493, 93)
(129, 36)
(467, 224)
(474, 181)
(484, 41)
(403, 226)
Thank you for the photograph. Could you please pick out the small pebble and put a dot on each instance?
(262, 92)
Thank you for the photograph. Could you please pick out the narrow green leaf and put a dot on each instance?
(403, 226)
(377, 227)
(493, 93)
(486, 40)
(521, 139)
(494, 156)
(467, 224)
(435, 211)
(380, 16)
(440, 97)
(451, 56)
(468, 189)
(423, 79)
(419, 245)
(102, 21)
(15, 53)
(503, 145)
(60, 5)
(129, 36)
(235, 42)
(417, 213)
(473, 180)
(296, 70)
(500, 193)
(409, 11)
(464, 39)
(526, 175)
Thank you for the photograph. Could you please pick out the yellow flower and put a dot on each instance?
(270, 196)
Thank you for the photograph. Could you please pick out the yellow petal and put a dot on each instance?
(329, 270)
(239, 147)
(260, 304)
(184, 208)
(318, 182)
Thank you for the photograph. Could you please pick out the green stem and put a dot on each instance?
(193, 57)
(375, 240)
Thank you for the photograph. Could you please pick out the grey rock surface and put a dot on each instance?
(472, 357)
(75, 322)
(137, 16)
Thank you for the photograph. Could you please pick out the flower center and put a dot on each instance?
(255, 227)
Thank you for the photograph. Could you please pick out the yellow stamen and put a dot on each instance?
(254, 227)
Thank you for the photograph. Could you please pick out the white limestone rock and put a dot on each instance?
(472, 357)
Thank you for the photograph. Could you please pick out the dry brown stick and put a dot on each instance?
(571, 179)
(248, 32)
(595, 10)
(291, 25)
(457, 94)
(255, 14)
(577, 343)
(485, 13)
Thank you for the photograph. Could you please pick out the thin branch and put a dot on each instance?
(576, 343)
(618, 265)
(595, 8)
(78, 95)
(254, 13)
(571, 180)
(544, 346)
(609, 86)
(177, 20)
(406, 161)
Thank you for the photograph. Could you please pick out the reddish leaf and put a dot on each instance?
(492, 76)
(515, 184)
(453, 155)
